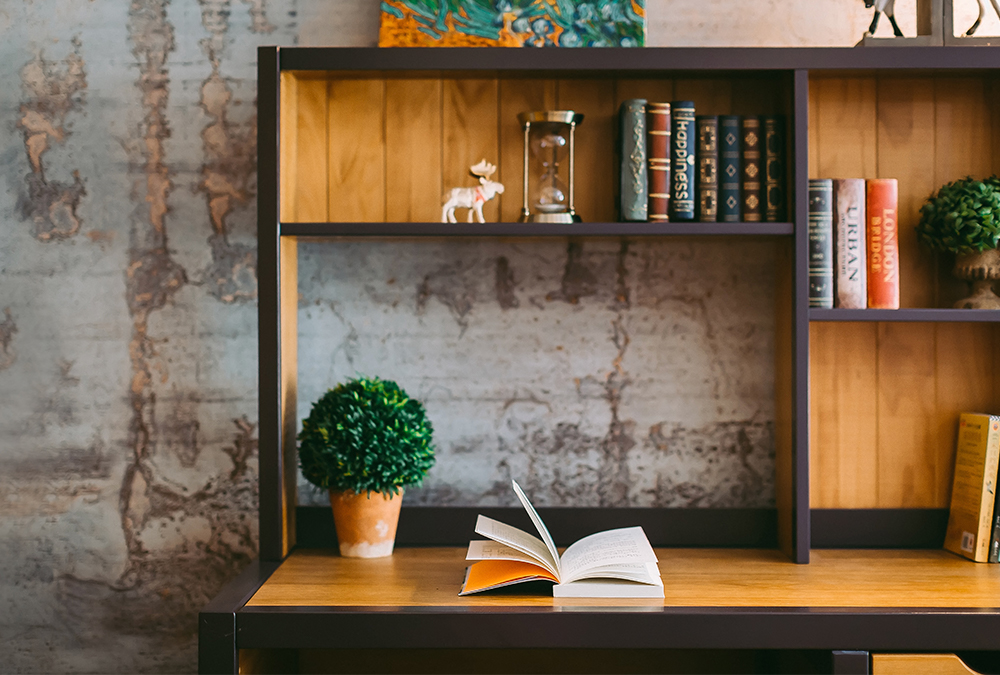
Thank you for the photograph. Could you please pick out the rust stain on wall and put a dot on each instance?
(7, 330)
(619, 439)
(229, 172)
(54, 89)
(505, 284)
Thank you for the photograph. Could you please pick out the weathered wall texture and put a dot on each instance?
(595, 372)
(127, 323)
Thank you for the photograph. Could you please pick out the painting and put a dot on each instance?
(513, 23)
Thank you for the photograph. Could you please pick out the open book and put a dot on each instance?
(611, 564)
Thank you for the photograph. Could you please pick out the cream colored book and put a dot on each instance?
(973, 491)
(612, 564)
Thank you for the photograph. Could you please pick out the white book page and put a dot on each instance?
(491, 550)
(517, 539)
(539, 525)
(643, 573)
(612, 547)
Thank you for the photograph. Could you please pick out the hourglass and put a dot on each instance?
(548, 139)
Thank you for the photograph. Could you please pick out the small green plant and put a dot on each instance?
(964, 216)
(366, 435)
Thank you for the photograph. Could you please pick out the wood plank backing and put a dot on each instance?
(289, 386)
(518, 95)
(471, 133)
(842, 380)
(923, 131)
(288, 139)
(595, 145)
(357, 156)
(843, 421)
(693, 578)
(413, 149)
(311, 162)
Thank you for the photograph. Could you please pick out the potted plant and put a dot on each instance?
(964, 218)
(364, 441)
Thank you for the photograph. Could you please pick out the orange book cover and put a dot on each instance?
(882, 210)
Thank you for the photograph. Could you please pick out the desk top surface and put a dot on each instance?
(431, 577)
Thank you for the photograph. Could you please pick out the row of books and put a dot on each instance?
(974, 517)
(853, 243)
(740, 162)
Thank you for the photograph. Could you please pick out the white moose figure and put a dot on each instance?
(472, 198)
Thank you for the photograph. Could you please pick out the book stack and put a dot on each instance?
(974, 517)
(853, 243)
(678, 166)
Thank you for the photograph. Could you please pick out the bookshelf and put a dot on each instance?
(865, 400)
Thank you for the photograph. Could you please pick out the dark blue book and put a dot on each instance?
(821, 242)
(683, 142)
(634, 180)
(774, 168)
(729, 169)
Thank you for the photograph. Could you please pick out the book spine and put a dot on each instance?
(708, 168)
(990, 491)
(850, 288)
(774, 168)
(634, 185)
(994, 555)
(821, 243)
(682, 152)
(729, 169)
(750, 154)
(882, 243)
(658, 149)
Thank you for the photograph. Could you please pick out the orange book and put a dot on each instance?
(883, 243)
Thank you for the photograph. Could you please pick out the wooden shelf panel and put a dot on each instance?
(430, 577)
(607, 229)
(912, 315)
(637, 60)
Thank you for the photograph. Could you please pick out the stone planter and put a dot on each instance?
(366, 523)
(981, 270)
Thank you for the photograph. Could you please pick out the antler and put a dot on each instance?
(484, 169)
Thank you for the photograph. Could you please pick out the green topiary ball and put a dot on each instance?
(366, 435)
(964, 216)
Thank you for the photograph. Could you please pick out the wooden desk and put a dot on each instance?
(716, 599)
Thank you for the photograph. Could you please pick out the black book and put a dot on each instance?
(708, 167)
(995, 534)
(753, 170)
(774, 168)
(682, 153)
(821, 242)
(729, 169)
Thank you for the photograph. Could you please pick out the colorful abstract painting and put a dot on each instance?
(513, 23)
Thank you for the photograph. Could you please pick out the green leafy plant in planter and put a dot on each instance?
(963, 217)
(365, 440)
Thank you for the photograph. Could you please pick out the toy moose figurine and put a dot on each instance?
(472, 198)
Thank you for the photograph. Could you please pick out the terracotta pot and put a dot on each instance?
(981, 270)
(366, 523)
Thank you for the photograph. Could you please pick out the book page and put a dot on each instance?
(516, 539)
(491, 550)
(643, 573)
(613, 547)
(539, 525)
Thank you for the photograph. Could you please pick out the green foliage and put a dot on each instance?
(964, 216)
(366, 435)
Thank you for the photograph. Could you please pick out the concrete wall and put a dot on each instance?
(128, 480)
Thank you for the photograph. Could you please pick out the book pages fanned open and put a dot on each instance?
(611, 564)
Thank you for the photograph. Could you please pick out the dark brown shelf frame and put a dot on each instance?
(227, 625)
